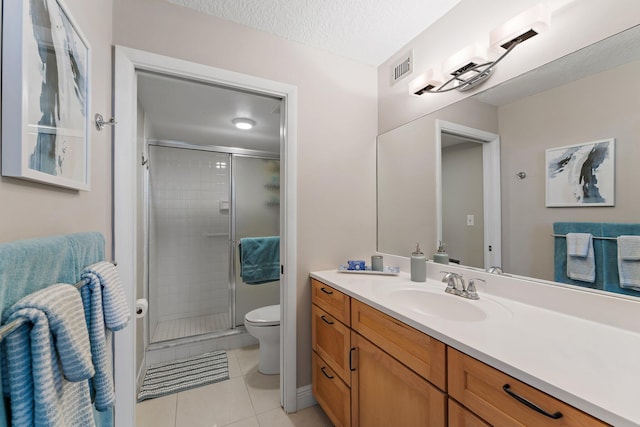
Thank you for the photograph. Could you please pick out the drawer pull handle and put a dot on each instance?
(326, 291)
(325, 373)
(351, 368)
(327, 321)
(507, 389)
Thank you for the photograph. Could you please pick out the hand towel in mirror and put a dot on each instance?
(581, 263)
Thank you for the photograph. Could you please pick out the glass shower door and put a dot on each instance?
(189, 225)
(256, 195)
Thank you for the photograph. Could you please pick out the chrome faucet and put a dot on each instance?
(454, 281)
(456, 286)
(471, 291)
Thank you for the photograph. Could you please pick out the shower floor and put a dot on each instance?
(190, 326)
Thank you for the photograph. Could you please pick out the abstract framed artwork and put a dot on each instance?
(45, 95)
(581, 174)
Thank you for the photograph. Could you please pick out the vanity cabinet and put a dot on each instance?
(370, 369)
(500, 399)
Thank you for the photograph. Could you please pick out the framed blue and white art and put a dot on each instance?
(581, 174)
(45, 94)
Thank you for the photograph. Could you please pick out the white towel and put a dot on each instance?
(581, 263)
(49, 360)
(629, 262)
(578, 244)
(106, 310)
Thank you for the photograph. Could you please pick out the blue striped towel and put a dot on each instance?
(48, 360)
(106, 310)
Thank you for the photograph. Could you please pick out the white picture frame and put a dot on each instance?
(581, 175)
(45, 95)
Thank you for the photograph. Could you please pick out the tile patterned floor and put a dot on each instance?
(190, 326)
(247, 399)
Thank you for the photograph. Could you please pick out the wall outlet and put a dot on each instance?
(471, 220)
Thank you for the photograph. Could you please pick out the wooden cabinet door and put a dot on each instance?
(332, 394)
(331, 340)
(461, 417)
(384, 392)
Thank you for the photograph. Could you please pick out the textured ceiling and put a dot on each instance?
(367, 31)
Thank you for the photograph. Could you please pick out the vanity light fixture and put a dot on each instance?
(243, 123)
(426, 82)
(470, 67)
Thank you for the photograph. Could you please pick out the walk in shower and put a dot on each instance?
(201, 201)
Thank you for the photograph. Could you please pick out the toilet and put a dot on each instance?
(264, 324)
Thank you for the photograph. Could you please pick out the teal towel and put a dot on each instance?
(49, 360)
(29, 265)
(260, 259)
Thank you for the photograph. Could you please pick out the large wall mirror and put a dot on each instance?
(592, 94)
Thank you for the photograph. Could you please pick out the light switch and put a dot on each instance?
(471, 220)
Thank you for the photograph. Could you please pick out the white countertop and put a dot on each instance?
(593, 365)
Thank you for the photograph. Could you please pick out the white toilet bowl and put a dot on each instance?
(264, 324)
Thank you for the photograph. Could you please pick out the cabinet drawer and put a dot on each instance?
(460, 417)
(330, 300)
(479, 387)
(332, 394)
(331, 340)
(420, 352)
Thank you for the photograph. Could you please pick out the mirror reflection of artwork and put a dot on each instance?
(57, 86)
(581, 175)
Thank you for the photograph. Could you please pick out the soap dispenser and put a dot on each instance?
(441, 256)
(418, 265)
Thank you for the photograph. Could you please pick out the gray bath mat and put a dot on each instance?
(172, 377)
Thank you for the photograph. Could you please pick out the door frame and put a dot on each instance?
(491, 186)
(125, 160)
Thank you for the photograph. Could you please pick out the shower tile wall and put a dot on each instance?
(189, 232)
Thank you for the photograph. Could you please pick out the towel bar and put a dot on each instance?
(15, 324)
(595, 237)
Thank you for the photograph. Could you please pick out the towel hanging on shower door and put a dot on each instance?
(260, 259)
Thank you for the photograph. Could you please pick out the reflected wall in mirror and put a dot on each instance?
(462, 201)
(589, 95)
(469, 187)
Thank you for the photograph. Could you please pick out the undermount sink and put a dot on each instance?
(427, 301)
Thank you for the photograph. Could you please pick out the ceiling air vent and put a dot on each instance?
(402, 68)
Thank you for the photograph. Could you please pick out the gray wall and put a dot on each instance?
(462, 195)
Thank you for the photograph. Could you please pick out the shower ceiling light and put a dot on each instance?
(469, 67)
(243, 123)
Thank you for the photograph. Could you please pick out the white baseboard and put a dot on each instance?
(304, 398)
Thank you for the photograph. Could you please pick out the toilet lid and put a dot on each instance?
(265, 316)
